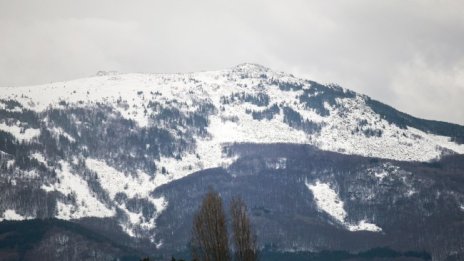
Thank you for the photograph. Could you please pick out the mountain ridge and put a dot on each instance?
(261, 79)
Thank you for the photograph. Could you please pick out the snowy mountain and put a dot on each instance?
(107, 147)
(243, 100)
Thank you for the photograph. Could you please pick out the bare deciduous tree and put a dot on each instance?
(243, 237)
(209, 235)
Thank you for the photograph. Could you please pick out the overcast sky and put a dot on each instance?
(409, 54)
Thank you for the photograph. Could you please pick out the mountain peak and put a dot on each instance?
(106, 73)
(251, 67)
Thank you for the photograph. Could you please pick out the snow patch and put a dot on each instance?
(328, 201)
(87, 204)
(59, 131)
(20, 133)
(363, 225)
(133, 186)
(11, 214)
(381, 175)
(384, 170)
(30, 174)
(10, 163)
(39, 157)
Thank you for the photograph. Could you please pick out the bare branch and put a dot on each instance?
(209, 232)
(243, 238)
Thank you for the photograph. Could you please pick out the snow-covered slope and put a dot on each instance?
(102, 145)
(348, 125)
